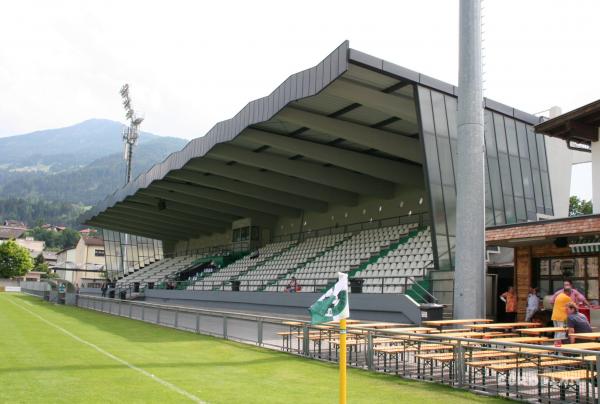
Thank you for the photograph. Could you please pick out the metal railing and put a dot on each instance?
(532, 373)
(378, 284)
(421, 218)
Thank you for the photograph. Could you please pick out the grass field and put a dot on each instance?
(59, 354)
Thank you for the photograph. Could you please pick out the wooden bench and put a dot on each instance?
(567, 380)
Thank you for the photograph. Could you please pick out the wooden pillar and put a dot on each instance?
(522, 279)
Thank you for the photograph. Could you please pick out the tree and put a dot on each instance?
(579, 206)
(14, 260)
(40, 265)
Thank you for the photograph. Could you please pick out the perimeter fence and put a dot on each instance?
(526, 372)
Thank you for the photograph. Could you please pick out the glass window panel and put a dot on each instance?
(515, 168)
(592, 290)
(544, 173)
(579, 270)
(438, 211)
(592, 267)
(526, 171)
(451, 111)
(505, 175)
(535, 169)
(555, 268)
(493, 169)
(544, 267)
(545, 288)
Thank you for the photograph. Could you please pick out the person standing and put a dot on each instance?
(576, 296)
(510, 299)
(104, 288)
(533, 304)
(576, 322)
(559, 311)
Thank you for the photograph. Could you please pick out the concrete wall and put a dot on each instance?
(560, 159)
(368, 208)
(378, 307)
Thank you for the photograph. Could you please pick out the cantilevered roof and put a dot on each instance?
(522, 234)
(580, 125)
(343, 129)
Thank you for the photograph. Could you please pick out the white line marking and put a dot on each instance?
(116, 358)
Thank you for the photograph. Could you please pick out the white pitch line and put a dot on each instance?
(116, 358)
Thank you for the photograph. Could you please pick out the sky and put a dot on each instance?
(191, 63)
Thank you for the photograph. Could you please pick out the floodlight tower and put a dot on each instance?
(469, 274)
(131, 132)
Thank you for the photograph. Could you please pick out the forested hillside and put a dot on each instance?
(52, 176)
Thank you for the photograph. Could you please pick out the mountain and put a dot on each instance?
(59, 149)
(73, 167)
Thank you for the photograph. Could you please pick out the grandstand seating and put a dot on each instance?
(345, 256)
(388, 259)
(289, 261)
(396, 268)
(159, 270)
(240, 267)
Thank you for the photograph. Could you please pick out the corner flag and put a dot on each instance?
(333, 305)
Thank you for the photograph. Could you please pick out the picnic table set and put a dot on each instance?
(432, 346)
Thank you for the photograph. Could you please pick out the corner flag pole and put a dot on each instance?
(343, 361)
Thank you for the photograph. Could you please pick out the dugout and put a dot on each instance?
(62, 292)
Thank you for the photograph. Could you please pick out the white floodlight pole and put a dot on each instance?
(469, 276)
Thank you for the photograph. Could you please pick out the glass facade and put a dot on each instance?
(516, 169)
(125, 253)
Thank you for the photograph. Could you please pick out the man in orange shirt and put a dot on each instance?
(559, 311)
(510, 299)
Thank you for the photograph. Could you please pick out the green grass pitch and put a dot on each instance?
(98, 358)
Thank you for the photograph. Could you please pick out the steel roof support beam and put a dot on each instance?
(392, 143)
(251, 190)
(133, 230)
(393, 105)
(389, 170)
(206, 204)
(159, 227)
(174, 207)
(272, 180)
(141, 210)
(226, 197)
(151, 219)
(330, 176)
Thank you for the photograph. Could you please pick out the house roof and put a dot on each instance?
(7, 233)
(93, 241)
(15, 223)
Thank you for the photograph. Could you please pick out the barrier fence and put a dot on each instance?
(478, 361)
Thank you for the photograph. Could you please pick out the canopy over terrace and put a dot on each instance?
(345, 129)
(549, 251)
(580, 129)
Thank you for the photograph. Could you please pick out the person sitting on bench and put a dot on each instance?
(576, 322)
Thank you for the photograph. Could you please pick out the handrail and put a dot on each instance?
(406, 281)
(423, 218)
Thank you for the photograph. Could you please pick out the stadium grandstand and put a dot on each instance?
(346, 166)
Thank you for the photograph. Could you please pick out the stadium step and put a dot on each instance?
(252, 268)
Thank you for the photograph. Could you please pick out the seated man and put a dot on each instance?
(293, 286)
(576, 322)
